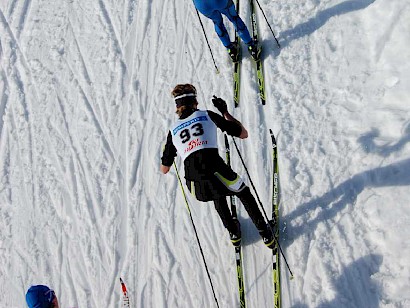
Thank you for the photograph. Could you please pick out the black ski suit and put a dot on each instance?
(202, 168)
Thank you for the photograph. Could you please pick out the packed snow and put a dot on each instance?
(85, 107)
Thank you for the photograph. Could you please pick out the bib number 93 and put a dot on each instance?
(196, 130)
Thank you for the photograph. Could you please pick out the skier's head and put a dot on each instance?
(41, 297)
(185, 97)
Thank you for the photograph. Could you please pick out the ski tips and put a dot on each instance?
(272, 136)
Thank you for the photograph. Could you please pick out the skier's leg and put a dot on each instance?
(252, 208)
(220, 28)
(231, 224)
(240, 26)
(255, 214)
(221, 206)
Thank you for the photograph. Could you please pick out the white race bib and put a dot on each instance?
(194, 133)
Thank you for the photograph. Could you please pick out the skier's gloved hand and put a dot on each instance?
(220, 104)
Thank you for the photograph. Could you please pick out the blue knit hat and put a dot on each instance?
(39, 297)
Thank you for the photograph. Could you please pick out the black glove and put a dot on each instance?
(220, 104)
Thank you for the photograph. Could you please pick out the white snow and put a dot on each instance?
(85, 107)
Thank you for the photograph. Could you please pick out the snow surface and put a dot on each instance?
(85, 106)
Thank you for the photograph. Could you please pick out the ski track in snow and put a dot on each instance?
(84, 110)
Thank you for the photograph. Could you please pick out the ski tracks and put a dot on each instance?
(18, 12)
(166, 266)
(18, 151)
(85, 107)
(75, 187)
(308, 104)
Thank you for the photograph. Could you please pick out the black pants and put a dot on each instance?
(201, 168)
(249, 202)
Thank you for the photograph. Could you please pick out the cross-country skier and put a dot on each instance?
(213, 9)
(208, 177)
(41, 297)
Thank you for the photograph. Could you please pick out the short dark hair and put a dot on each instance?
(183, 89)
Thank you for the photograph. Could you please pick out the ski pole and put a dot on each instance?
(126, 299)
(260, 7)
(250, 179)
(196, 234)
(206, 38)
(263, 209)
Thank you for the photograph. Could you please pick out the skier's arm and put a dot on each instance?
(168, 155)
(229, 117)
(227, 124)
(220, 104)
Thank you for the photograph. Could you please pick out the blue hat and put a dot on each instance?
(39, 297)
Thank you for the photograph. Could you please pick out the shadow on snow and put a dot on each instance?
(320, 20)
(332, 202)
(357, 285)
(369, 146)
(335, 200)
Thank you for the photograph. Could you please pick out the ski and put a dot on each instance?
(126, 299)
(259, 66)
(238, 250)
(275, 219)
(237, 66)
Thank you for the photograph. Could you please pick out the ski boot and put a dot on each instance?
(267, 236)
(254, 50)
(236, 236)
(233, 51)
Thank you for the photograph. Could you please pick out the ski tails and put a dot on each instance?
(275, 219)
(259, 66)
(237, 81)
(237, 66)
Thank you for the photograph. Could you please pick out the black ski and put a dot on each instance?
(258, 62)
(275, 219)
(238, 251)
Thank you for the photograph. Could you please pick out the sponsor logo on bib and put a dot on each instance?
(194, 143)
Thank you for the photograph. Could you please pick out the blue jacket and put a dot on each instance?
(208, 6)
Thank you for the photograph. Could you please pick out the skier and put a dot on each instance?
(208, 178)
(41, 297)
(213, 9)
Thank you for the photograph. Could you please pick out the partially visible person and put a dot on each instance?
(213, 9)
(41, 296)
